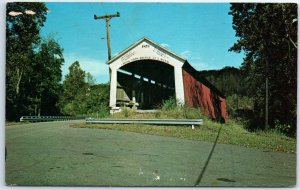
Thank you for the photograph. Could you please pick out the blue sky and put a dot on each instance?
(200, 32)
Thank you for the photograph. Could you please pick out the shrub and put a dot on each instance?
(169, 104)
(125, 112)
(171, 109)
(284, 128)
(191, 113)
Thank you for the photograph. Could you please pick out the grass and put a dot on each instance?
(12, 123)
(232, 132)
(176, 113)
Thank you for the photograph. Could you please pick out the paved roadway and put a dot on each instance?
(53, 153)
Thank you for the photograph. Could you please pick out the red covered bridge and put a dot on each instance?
(146, 73)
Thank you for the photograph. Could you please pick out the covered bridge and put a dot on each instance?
(145, 74)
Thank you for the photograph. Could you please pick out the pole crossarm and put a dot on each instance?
(108, 16)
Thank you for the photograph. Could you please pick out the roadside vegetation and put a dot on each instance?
(232, 132)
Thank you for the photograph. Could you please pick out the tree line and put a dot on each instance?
(33, 64)
(267, 35)
(232, 83)
(34, 75)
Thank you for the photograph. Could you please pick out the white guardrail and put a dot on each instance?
(191, 122)
(49, 118)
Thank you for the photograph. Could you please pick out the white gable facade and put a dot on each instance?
(145, 49)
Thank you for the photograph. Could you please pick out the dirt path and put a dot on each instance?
(56, 154)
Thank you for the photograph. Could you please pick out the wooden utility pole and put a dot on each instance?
(267, 95)
(107, 18)
(267, 57)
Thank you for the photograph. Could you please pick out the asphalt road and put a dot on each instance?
(53, 153)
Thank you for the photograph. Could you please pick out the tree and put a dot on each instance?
(22, 37)
(90, 79)
(228, 80)
(48, 62)
(98, 100)
(74, 91)
(33, 65)
(81, 96)
(268, 36)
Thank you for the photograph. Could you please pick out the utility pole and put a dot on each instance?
(107, 17)
(266, 42)
(267, 95)
(266, 56)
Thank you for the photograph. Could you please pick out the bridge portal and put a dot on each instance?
(145, 74)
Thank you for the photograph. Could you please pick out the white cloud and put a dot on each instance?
(185, 53)
(196, 58)
(200, 66)
(98, 68)
(164, 45)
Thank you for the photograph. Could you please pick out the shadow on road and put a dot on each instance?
(208, 159)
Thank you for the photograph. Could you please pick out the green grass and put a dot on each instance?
(232, 132)
(176, 113)
(10, 123)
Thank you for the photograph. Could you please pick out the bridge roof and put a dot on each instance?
(145, 39)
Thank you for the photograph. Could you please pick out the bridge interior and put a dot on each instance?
(145, 82)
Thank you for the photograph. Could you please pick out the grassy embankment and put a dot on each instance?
(232, 132)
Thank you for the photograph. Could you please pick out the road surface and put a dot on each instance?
(52, 153)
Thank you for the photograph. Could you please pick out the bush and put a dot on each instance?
(170, 109)
(103, 111)
(126, 112)
(169, 104)
(236, 103)
(191, 113)
(283, 128)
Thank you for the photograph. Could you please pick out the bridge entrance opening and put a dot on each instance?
(145, 84)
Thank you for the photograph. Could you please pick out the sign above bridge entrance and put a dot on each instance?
(145, 49)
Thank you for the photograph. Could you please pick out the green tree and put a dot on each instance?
(48, 62)
(98, 100)
(75, 90)
(81, 96)
(268, 36)
(90, 79)
(22, 37)
(228, 80)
